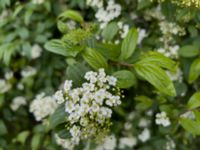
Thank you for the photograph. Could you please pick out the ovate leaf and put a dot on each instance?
(71, 14)
(188, 51)
(190, 125)
(76, 73)
(3, 129)
(194, 70)
(110, 31)
(156, 76)
(129, 44)
(125, 79)
(58, 117)
(159, 60)
(94, 59)
(194, 101)
(59, 47)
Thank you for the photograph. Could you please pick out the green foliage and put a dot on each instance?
(194, 101)
(194, 71)
(125, 79)
(94, 59)
(156, 76)
(129, 44)
(189, 51)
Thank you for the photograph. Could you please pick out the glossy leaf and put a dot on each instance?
(129, 44)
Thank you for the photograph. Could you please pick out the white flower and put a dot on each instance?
(71, 24)
(59, 97)
(141, 35)
(38, 1)
(67, 85)
(65, 143)
(162, 119)
(28, 72)
(145, 135)
(108, 144)
(129, 142)
(143, 123)
(95, 3)
(170, 144)
(9, 75)
(189, 115)
(17, 102)
(105, 15)
(85, 105)
(111, 80)
(42, 106)
(35, 51)
(4, 86)
(20, 86)
(91, 76)
(178, 76)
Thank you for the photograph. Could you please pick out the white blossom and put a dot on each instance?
(105, 15)
(42, 106)
(4, 86)
(36, 51)
(129, 142)
(143, 122)
(8, 75)
(17, 102)
(28, 72)
(162, 119)
(109, 143)
(141, 35)
(65, 143)
(145, 135)
(89, 106)
(38, 1)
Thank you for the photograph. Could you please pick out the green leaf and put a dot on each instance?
(58, 117)
(3, 129)
(94, 59)
(125, 79)
(62, 27)
(110, 51)
(76, 73)
(35, 142)
(159, 60)
(71, 14)
(22, 136)
(129, 44)
(143, 102)
(194, 70)
(190, 125)
(194, 101)
(197, 115)
(156, 76)
(188, 51)
(62, 132)
(110, 31)
(59, 47)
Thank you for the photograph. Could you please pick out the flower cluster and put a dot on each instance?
(89, 106)
(162, 119)
(124, 28)
(17, 102)
(5, 85)
(36, 51)
(42, 106)
(169, 51)
(107, 14)
(65, 143)
(28, 72)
